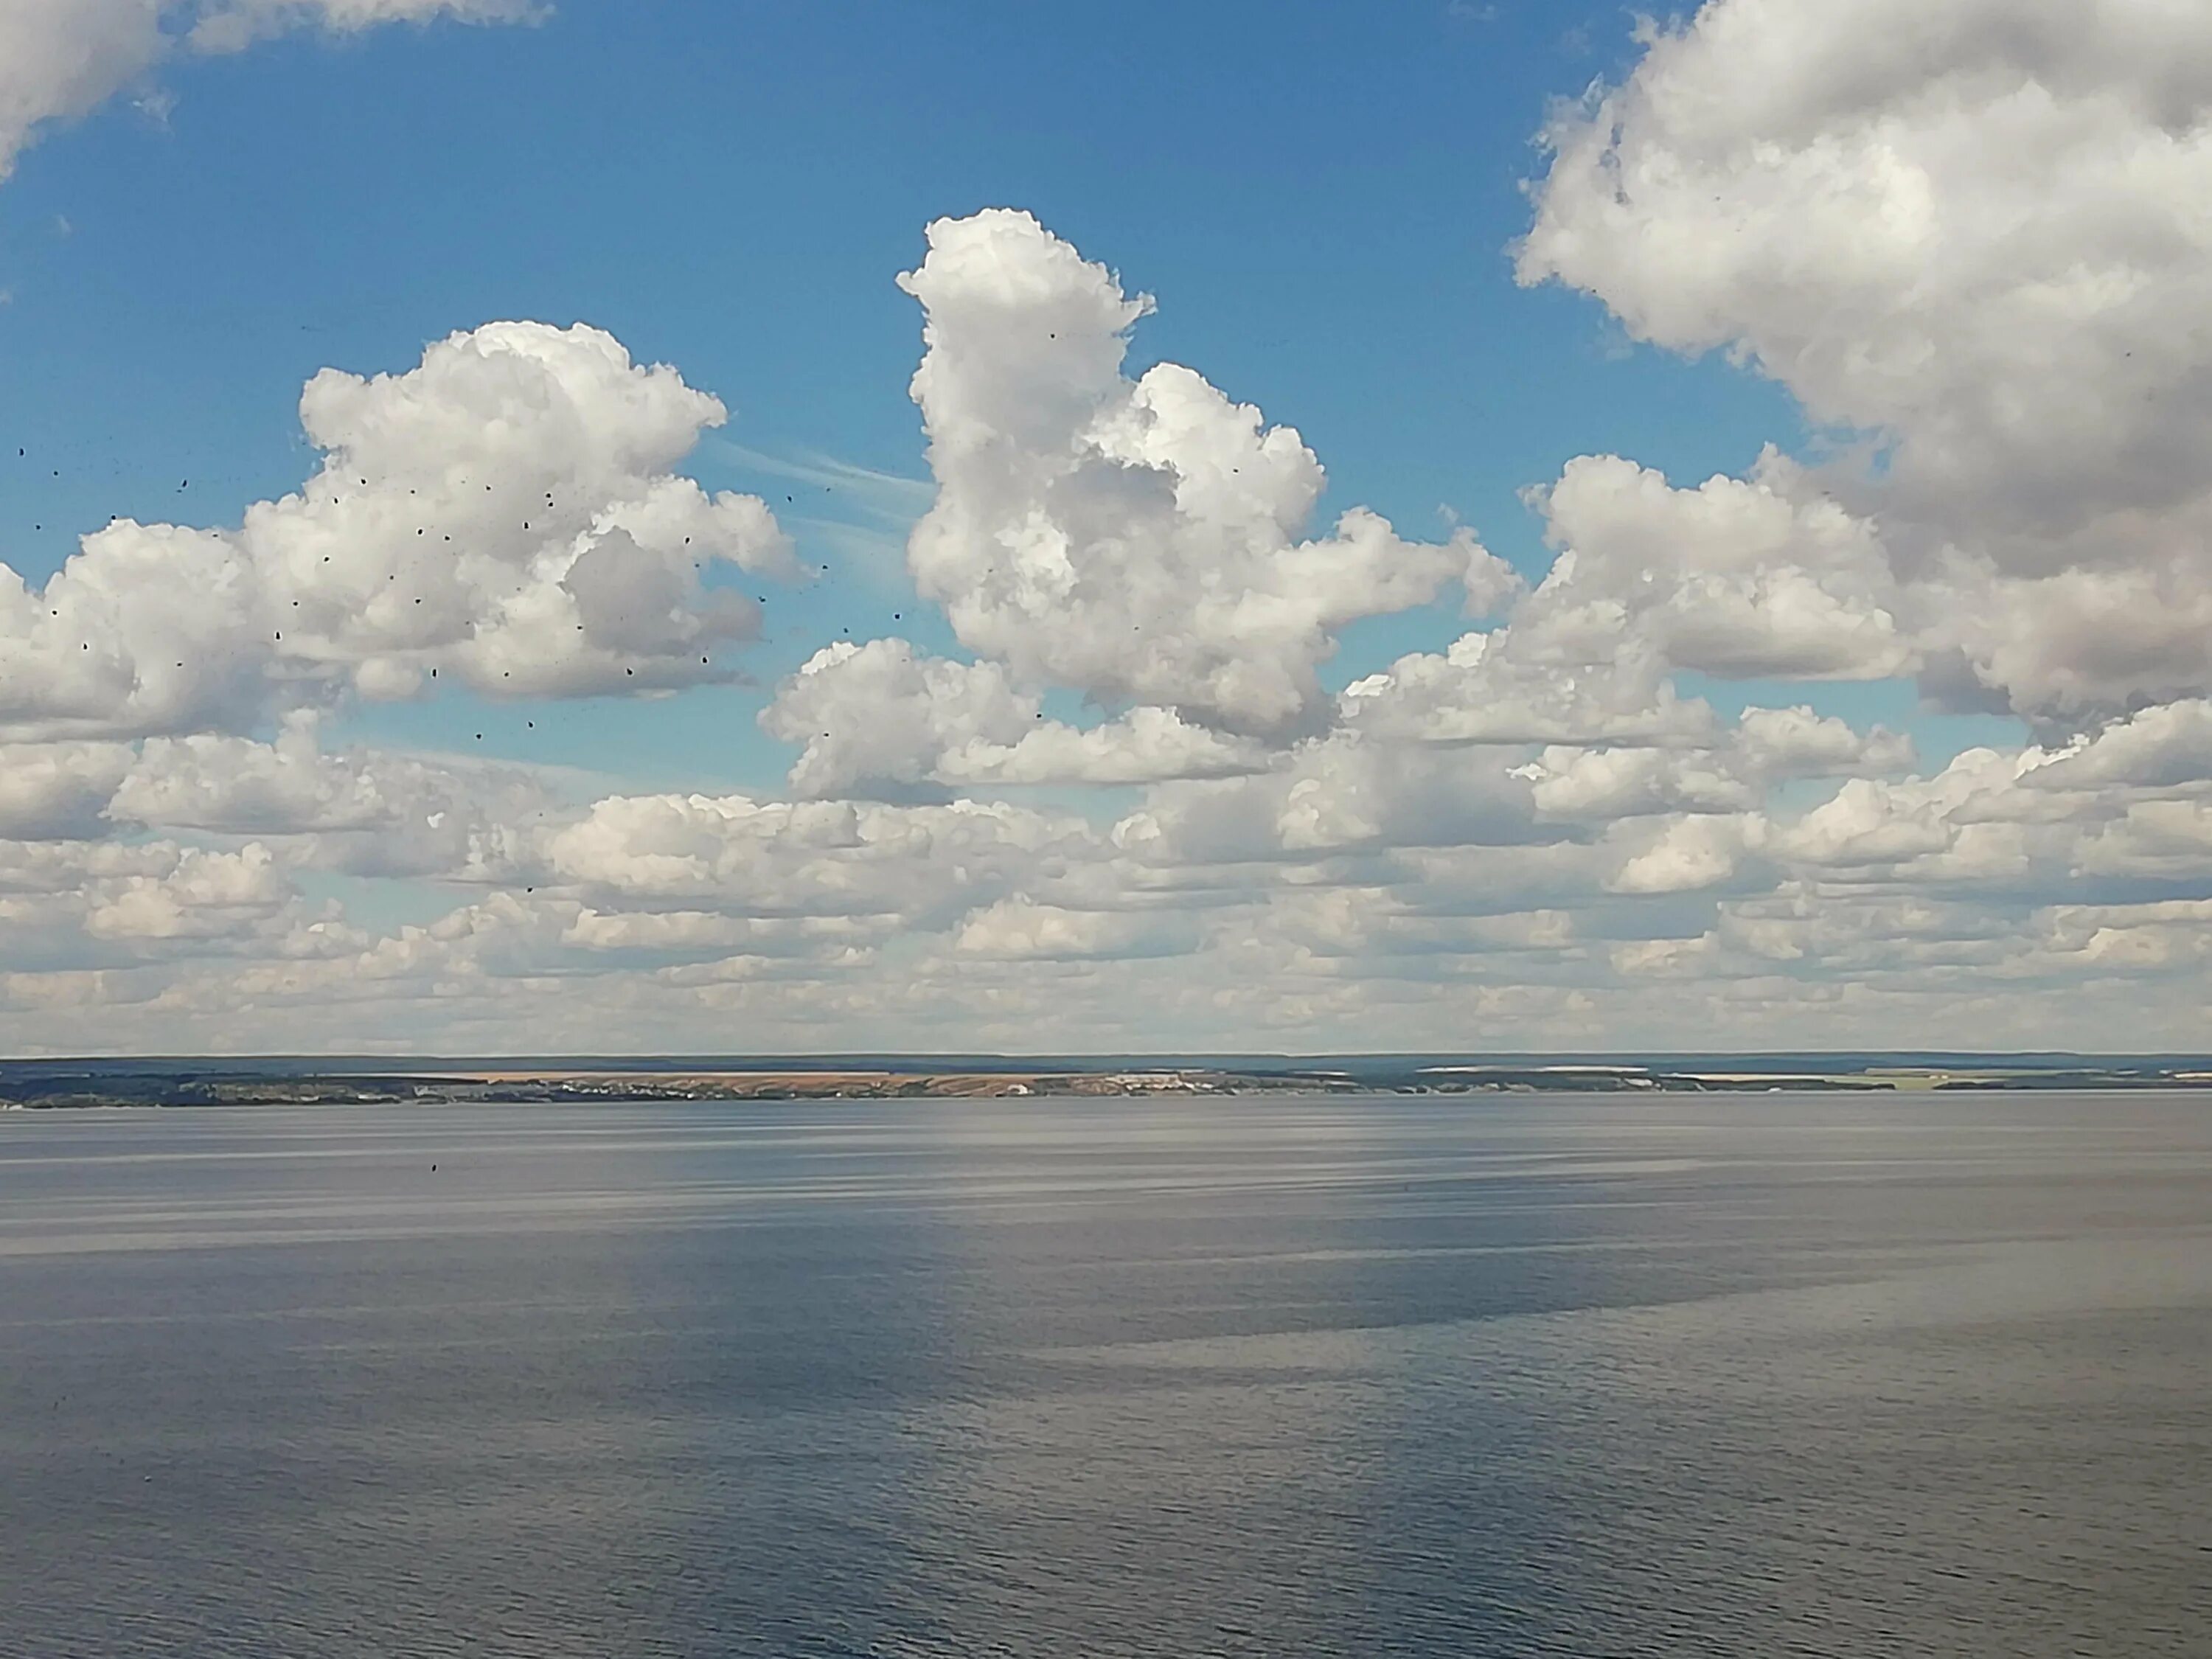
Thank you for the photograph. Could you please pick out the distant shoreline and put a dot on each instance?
(67, 1085)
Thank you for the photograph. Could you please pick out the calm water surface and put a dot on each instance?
(1760, 1376)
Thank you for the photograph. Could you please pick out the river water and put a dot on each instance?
(1742, 1375)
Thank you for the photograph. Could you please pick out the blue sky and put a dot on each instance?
(1321, 198)
(1071, 725)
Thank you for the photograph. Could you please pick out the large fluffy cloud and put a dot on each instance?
(1141, 541)
(504, 513)
(1739, 579)
(506, 509)
(1972, 231)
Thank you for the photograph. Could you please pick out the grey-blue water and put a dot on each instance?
(1758, 1375)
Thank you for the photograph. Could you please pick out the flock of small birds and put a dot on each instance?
(183, 484)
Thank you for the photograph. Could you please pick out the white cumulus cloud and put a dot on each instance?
(504, 513)
(1972, 230)
(1141, 541)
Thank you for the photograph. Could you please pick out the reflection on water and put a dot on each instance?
(1742, 1377)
